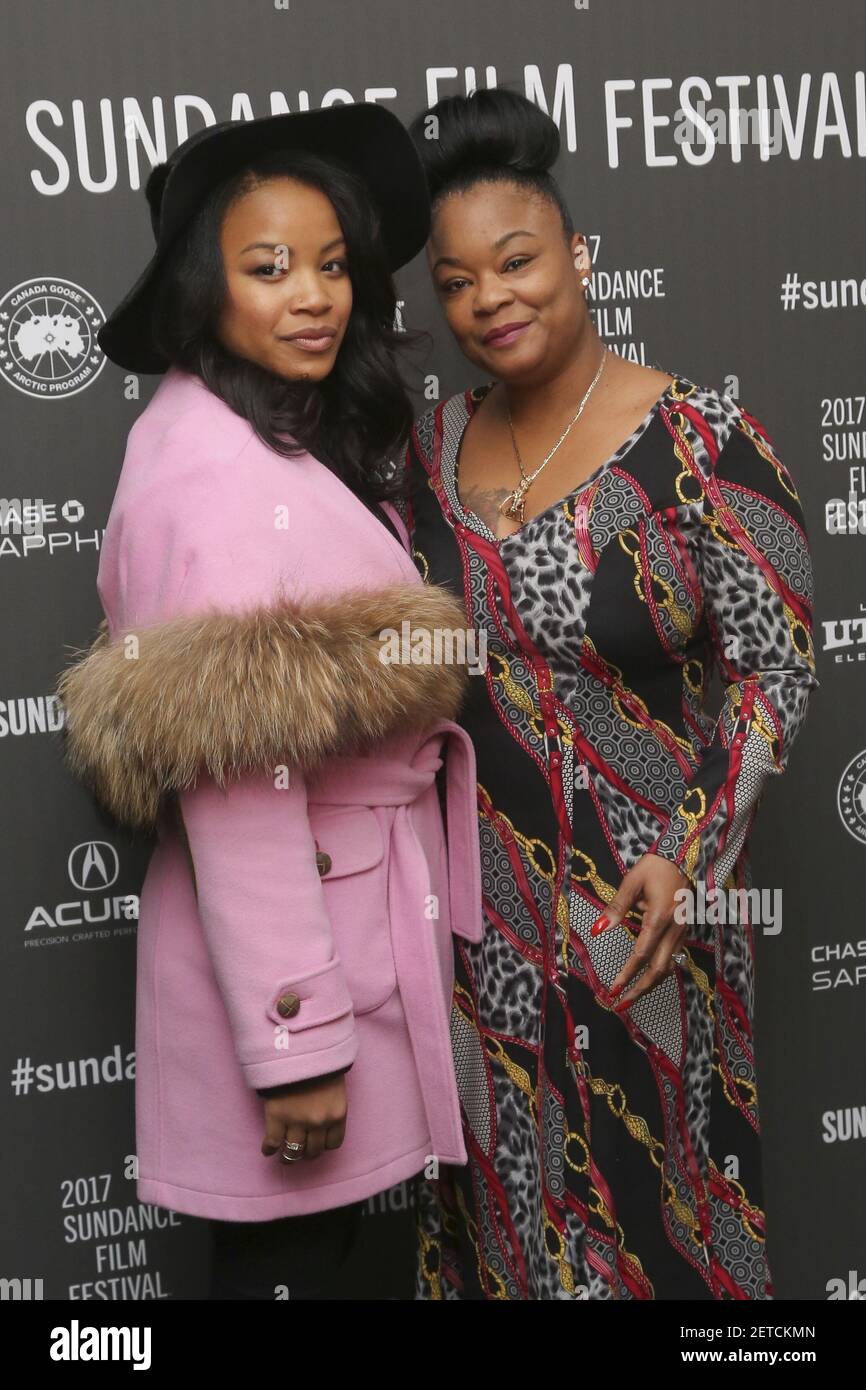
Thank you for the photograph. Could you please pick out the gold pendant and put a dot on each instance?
(514, 505)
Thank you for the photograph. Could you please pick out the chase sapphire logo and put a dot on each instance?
(48, 346)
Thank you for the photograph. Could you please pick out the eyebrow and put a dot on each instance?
(272, 246)
(521, 231)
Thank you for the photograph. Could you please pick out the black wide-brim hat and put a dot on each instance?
(369, 140)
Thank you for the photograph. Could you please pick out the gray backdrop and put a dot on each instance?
(715, 232)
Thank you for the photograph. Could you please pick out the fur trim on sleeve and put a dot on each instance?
(227, 693)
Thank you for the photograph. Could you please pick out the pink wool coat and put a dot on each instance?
(297, 911)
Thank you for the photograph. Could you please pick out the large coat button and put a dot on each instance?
(288, 1005)
(323, 862)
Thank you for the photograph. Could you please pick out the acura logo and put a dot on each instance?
(93, 866)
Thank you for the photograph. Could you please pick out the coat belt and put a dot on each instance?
(393, 782)
(424, 993)
(399, 782)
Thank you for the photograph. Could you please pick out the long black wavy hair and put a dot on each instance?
(357, 419)
(495, 135)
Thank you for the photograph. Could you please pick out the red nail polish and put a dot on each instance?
(599, 925)
(622, 1006)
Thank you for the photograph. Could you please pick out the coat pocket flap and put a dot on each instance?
(348, 839)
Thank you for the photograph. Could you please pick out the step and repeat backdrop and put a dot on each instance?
(716, 161)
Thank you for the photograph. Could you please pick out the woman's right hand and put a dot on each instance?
(311, 1113)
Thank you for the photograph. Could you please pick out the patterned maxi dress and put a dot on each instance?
(614, 1156)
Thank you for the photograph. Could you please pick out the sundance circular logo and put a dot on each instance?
(851, 797)
(48, 346)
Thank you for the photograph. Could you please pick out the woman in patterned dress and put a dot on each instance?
(603, 1041)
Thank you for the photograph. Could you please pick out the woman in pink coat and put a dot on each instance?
(268, 694)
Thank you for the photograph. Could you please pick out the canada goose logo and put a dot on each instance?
(48, 346)
(851, 797)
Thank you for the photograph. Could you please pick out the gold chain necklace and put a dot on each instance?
(514, 505)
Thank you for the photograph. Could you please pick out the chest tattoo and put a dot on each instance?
(485, 502)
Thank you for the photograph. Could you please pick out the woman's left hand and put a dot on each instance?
(650, 885)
